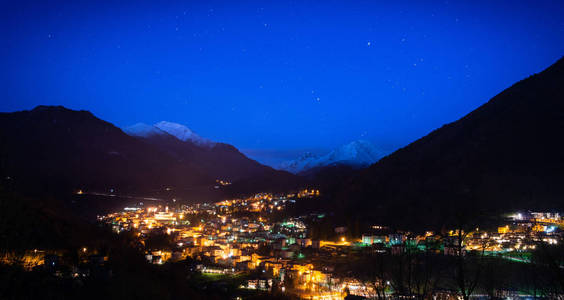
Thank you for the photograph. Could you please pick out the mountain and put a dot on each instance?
(356, 154)
(508, 154)
(170, 129)
(303, 162)
(143, 130)
(220, 160)
(55, 148)
(52, 147)
(183, 133)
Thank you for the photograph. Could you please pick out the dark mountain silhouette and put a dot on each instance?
(54, 148)
(507, 154)
(329, 173)
(223, 161)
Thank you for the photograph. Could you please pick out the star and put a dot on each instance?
(368, 44)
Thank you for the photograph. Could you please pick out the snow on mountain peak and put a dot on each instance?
(182, 133)
(143, 130)
(303, 162)
(176, 130)
(357, 153)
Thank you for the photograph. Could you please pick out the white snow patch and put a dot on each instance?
(358, 153)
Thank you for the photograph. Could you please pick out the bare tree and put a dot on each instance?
(468, 268)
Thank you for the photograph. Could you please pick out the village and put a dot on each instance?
(238, 236)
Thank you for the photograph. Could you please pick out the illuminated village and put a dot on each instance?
(238, 236)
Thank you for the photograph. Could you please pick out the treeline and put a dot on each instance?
(422, 274)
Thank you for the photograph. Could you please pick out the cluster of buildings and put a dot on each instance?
(84, 263)
(228, 233)
(521, 233)
(240, 235)
(234, 236)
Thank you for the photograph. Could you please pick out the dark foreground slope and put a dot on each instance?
(507, 154)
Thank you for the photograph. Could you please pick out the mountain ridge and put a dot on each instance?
(54, 148)
(356, 154)
(505, 155)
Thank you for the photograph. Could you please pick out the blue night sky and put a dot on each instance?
(275, 78)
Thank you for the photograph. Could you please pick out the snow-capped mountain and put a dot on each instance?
(143, 130)
(140, 159)
(306, 161)
(179, 131)
(357, 154)
(216, 159)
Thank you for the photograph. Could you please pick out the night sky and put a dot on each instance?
(275, 78)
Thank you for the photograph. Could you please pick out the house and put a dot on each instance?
(396, 238)
(157, 260)
(452, 247)
(373, 239)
